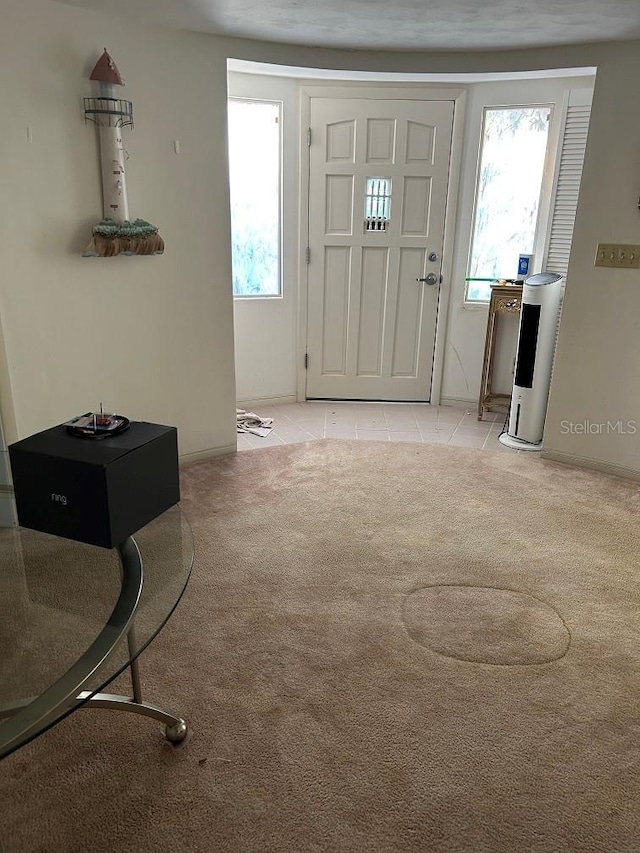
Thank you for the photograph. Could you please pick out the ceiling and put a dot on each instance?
(395, 24)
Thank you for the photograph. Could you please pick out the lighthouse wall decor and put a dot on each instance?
(115, 234)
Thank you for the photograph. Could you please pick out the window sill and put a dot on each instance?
(476, 305)
(254, 297)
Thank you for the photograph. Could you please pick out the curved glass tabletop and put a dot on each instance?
(66, 607)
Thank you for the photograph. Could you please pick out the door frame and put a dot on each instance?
(416, 92)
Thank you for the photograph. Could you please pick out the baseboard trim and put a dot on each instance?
(266, 401)
(592, 464)
(458, 401)
(211, 453)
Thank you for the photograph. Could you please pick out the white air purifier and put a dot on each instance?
(541, 296)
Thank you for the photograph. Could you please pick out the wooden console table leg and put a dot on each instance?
(489, 347)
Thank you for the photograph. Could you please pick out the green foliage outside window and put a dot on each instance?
(254, 178)
(514, 147)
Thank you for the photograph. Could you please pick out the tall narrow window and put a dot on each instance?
(254, 177)
(512, 158)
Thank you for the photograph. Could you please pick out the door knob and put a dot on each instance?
(430, 279)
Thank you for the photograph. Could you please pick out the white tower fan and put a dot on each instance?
(541, 296)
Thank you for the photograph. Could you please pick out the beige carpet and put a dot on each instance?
(383, 648)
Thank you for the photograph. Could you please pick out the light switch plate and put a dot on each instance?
(619, 255)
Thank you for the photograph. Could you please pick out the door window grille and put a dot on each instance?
(377, 204)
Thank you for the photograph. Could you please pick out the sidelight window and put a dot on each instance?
(510, 175)
(255, 192)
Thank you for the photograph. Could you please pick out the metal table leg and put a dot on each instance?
(35, 714)
(175, 727)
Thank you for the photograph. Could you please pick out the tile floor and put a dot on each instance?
(422, 422)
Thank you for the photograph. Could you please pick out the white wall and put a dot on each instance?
(150, 337)
(266, 329)
(597, 373)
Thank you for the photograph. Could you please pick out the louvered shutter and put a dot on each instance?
(567, 181)
(567, 186)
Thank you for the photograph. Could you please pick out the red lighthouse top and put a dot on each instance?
(106, 71)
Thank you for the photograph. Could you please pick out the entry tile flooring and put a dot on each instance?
(452, 424)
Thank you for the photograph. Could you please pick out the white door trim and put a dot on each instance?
(408, 92)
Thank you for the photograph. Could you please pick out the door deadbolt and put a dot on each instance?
(433, 256)
(430, 279)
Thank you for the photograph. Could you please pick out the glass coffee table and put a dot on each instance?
(73, 617)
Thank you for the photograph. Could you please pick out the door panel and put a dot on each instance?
(336, 303)
(341, 139)
(371, 325)
(373, 291)
(381, 140)
(421, 143)
(339, 209)
(408, 314)
(416, 207)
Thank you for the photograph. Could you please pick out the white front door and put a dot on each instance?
(379, 174)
